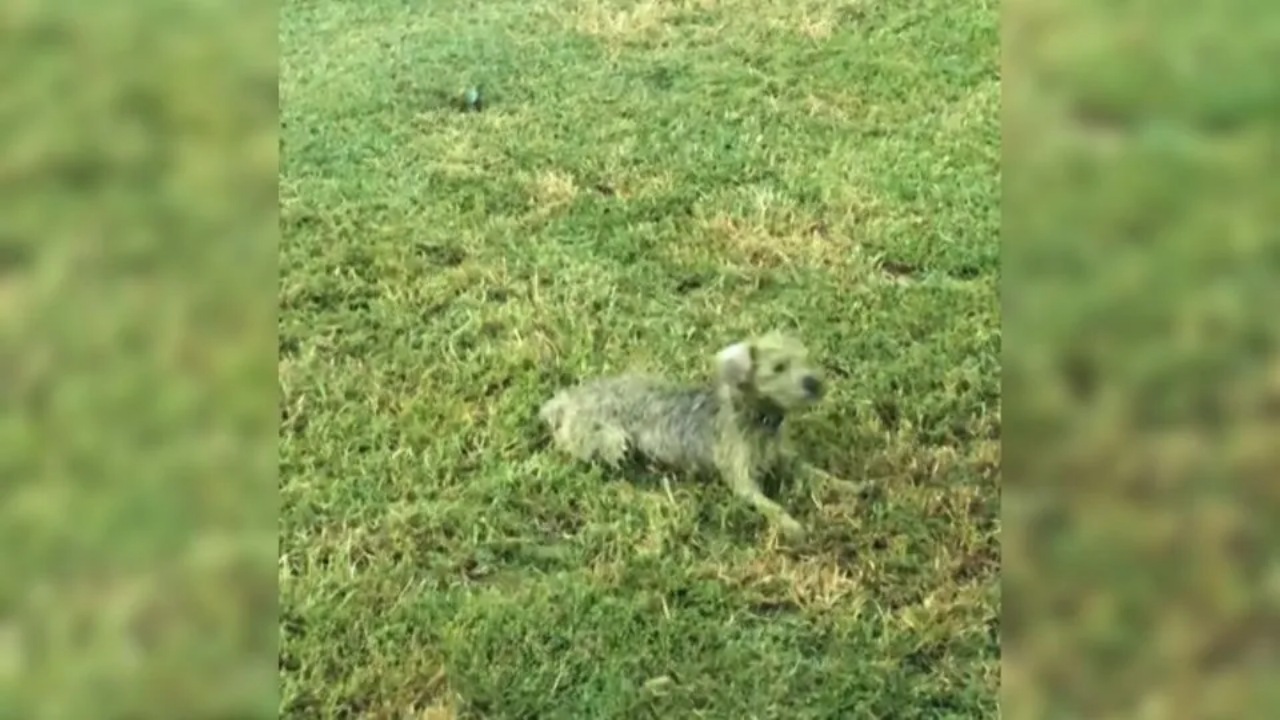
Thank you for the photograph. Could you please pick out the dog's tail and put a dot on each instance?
(553, 410)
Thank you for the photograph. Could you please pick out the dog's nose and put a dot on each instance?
(812, 386)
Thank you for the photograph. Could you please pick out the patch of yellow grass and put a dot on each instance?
(760, 246)
(812, 583)
(815, 25)
(621, 23)
(443, 707)
(439, 712)
(552, 190)
(770, 233)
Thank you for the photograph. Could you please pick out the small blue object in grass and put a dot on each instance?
(472, 100)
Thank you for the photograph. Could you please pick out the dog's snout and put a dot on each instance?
(812, 385)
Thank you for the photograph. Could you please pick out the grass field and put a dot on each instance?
(648, 182)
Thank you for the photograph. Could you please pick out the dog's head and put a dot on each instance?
(773, 368)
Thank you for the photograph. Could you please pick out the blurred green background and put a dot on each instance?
(137, 289)
(1141, 366)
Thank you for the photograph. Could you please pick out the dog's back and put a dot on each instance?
(661, 421)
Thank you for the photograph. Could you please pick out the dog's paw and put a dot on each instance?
(791, 528)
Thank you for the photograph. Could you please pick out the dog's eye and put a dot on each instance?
(780, 367)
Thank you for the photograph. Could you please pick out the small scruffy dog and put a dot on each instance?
(733, 427)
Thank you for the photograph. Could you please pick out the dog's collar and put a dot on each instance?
(767, 416)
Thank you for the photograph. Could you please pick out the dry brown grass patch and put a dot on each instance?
(444, 702)
(830, 108)
(813, 19)
(919, 465)
(818, 582)
(552, 190)
(761, 227)
(623, 23)
(816, 27)
(618, 23)
(774, 239)
(628, 187)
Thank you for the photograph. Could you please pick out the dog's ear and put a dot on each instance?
(736, 363)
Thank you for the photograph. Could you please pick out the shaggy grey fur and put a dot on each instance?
(732, 427)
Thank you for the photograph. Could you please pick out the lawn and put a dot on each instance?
(647, 182)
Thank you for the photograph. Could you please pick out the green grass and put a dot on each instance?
(649, 182)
